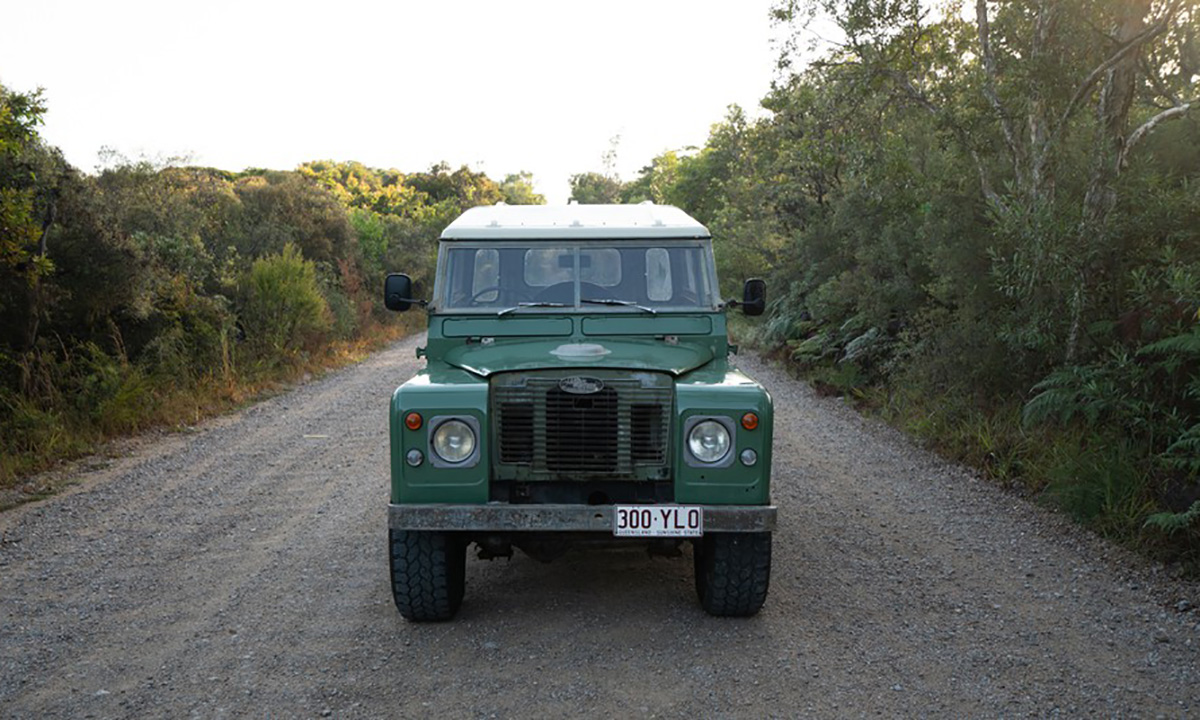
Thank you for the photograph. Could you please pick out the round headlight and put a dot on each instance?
(709, 441)
(454, 441)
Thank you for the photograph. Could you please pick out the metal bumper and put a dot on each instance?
(501, 517)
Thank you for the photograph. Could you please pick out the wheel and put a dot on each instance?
(428, 573)
(733, 572)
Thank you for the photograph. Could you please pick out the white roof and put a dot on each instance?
(567, 222)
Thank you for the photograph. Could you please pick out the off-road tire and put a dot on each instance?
(428, 573)
(733, 572)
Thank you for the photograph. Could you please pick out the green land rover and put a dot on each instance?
(578, 390)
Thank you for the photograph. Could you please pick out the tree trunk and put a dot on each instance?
(1112, 115)
(1040, 191)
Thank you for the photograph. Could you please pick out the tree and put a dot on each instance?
(592, 188)
(283, 307)
(358, 186)
(517, 189)
(21, 247)
(654, 182)
(280, 208)
(1009, 87)
(464, 188)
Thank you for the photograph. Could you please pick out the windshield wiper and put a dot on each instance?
(622, 303)
(518, 306)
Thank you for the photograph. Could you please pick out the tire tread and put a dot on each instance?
(733, 573)
(428, 573)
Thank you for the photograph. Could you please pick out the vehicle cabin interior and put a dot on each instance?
(657, 275)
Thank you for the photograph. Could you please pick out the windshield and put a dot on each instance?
(597, 275)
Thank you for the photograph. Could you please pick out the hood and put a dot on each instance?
(623, 354)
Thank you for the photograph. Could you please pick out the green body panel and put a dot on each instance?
(458, 338)
(647, 325)
(463, 350)
(437, 390)
(721, 390)
(510, 327)
(508, 354)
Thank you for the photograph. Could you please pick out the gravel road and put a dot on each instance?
(240, 570)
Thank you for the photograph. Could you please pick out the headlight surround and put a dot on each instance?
(709, 441)
(454, 441)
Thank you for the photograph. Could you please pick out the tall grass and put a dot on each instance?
(88, 396)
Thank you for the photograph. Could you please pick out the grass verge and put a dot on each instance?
(40, 436)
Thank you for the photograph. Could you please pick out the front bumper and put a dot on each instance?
(502, 517)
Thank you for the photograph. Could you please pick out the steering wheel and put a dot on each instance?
(564, 292)
(476, 298)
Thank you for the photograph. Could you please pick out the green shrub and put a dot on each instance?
(283, 308)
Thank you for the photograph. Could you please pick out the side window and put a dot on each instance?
(486, 279)
(658, 275)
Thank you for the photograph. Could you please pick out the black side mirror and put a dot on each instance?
(754, 297)
(397, 292)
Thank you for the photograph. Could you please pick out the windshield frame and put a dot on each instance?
(710, 300)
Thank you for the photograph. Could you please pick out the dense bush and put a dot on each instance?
(984, 221)
(151, 293)
(282, 309)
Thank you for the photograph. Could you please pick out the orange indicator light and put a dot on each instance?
(412, 421)
(750, 421)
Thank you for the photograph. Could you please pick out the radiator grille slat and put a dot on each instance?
(544, 432)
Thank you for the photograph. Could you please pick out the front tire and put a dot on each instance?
(428, 573)
(733, 572)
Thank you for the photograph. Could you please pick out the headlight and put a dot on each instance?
(454, 441)
(709, 441)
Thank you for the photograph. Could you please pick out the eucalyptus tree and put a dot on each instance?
(1050, 100)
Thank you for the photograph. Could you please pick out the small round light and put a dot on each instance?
(750, 421)
(454, 441)
(709, 441)
(412, 421)
(749, 457)
(414, 457)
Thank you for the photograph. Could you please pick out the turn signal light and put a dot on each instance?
(412, 421)
(750, 421)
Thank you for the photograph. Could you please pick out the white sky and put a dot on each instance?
(534, 85)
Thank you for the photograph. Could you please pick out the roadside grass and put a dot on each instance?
(115, 400)
(1097, 477)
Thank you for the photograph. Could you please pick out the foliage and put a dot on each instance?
(153, 292)
(517, 189)
(20, 150)
(283, 309)
(592, 188)
(1172, 523)
(983, 219)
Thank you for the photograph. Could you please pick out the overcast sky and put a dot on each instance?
(501, 86)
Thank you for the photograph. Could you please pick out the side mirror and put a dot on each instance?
(397, 292)
(754, 297)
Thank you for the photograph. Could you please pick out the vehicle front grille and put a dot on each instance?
(557, 425)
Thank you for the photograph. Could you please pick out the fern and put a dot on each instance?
(1171, 523)
(1184, 453)
(863, 345)
(1065, 394)
(1186, 344)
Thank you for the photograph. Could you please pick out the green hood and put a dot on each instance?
(626, 354)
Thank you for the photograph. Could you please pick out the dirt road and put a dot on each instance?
(240, 570)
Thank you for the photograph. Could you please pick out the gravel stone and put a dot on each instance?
(240, 569)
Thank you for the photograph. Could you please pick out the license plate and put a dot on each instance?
(658, 521)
